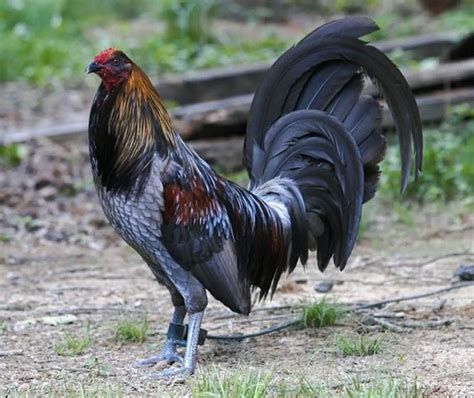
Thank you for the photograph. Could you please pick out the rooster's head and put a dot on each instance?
(112, 66)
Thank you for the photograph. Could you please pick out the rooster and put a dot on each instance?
(312, 149)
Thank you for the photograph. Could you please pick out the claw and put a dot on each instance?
(172, 372)
(170, 358)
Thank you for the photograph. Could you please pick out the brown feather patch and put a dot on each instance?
(192, 205)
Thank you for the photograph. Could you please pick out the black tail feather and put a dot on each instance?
(309, 123)
(270, 98)
(347, 98)
(313, 149)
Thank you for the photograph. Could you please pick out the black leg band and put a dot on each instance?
(179, 333)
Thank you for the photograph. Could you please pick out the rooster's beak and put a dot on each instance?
(93, 67)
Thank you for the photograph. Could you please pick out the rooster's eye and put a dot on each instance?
(115, 61)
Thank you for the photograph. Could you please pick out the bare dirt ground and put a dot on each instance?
(62, 270)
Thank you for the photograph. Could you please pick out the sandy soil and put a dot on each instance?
(64, 262)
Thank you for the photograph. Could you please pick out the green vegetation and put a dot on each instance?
(396, 24)
(227, 384)
(384, 387)
(251, 383)
(359, 346)
(12, 155)
(239, 177)
(72, 345)
(448, 169)
(4, 238)
(460, 20)
(49, 42)
(132, 330)
(322, 313)
(97, 367)
(3, 328)
(189, 19)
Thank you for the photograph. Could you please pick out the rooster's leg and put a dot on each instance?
(168, 353)
(191, 349)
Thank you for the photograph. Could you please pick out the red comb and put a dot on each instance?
(104, 56)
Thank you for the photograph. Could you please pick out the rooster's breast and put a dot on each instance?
(137, 216)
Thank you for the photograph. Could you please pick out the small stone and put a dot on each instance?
(465, 272)
(54, 236)
(324, 286)
(12, 276)
(48, 192)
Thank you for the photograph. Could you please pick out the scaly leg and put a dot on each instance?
(191, 349)
(168, 353)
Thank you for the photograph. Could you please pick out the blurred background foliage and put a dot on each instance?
(448, 163)
(47, 42)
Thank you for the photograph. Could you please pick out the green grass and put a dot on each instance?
(384, 387)
(72, 345)
(322, 313)
(448, 169)
(132, 330)
(396, 24)
(190, 19)
(253, 383)
(157, 55)
(215, 383)
(359, 346)
(97, 367)
(49, 42)
(12, 155)
(4, 238)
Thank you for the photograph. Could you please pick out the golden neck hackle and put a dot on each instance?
(137, 116)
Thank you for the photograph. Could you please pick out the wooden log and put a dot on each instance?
(214, 121)
(419, 47)
(211, 84)
(211, 119)
(443, 76)
(228, 117)
(58, 133)
(223, 153)
(434, 107)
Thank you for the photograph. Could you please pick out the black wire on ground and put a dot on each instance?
(239, 337)
(263, 332)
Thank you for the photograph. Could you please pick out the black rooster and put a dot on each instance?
(312, 150)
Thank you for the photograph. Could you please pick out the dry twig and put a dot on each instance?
(413, 297)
